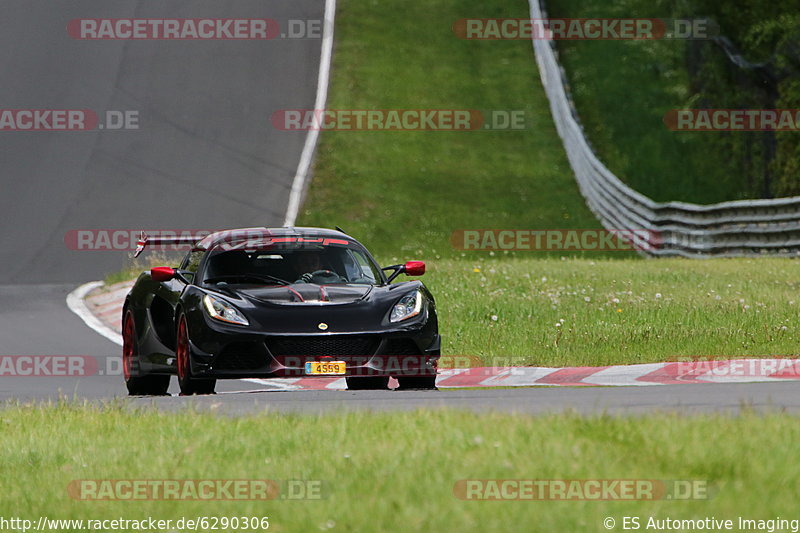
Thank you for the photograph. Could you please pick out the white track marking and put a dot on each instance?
(518, 377)
(275, 383)
(304, 167)
(77, 305)
(623, 375)
(337, 384)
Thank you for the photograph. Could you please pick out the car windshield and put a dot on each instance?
(289, 263)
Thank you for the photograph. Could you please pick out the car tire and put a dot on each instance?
(138, 383)
(186, 382)
(416, 383)
(367, 383)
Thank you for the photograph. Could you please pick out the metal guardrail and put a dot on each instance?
(743, 227)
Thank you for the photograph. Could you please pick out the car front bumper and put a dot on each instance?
(229, 352)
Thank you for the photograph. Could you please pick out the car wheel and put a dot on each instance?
(138, 384)
(417, 383)
(367, 383)
(186, 382)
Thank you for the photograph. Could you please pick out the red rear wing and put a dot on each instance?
(145, 241)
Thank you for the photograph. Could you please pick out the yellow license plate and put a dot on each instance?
(325, 368)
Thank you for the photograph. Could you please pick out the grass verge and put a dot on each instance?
(395, 472)
(408, 191)
(573, 312)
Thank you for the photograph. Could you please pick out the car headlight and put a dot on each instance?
(408, 306)
(222, 310)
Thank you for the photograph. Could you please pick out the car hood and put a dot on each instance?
(343, 308)
(306, 294)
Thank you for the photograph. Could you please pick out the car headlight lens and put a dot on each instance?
(222, 310)
(408, 306)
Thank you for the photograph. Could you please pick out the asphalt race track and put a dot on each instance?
(728, 399)
(204, 156)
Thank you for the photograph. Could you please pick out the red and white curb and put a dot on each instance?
(100, 307)
(86, 302)
(730, 371)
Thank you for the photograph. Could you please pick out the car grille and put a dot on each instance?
(317, 346)
(241, 356)
(400, 347)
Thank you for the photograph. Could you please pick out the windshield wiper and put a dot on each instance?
(258, 277)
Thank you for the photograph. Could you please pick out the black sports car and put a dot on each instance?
(284, 302)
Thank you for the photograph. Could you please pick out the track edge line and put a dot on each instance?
(76, 304)
(306, 156)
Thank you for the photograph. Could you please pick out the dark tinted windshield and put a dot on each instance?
(290, 263)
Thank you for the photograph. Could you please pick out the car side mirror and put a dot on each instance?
(414, 268)
(410, 268)
(162, 274)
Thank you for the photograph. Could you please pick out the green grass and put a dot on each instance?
(395, 472)
(406, 192)
(127, 274)
(622, 89)
(616, 311)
